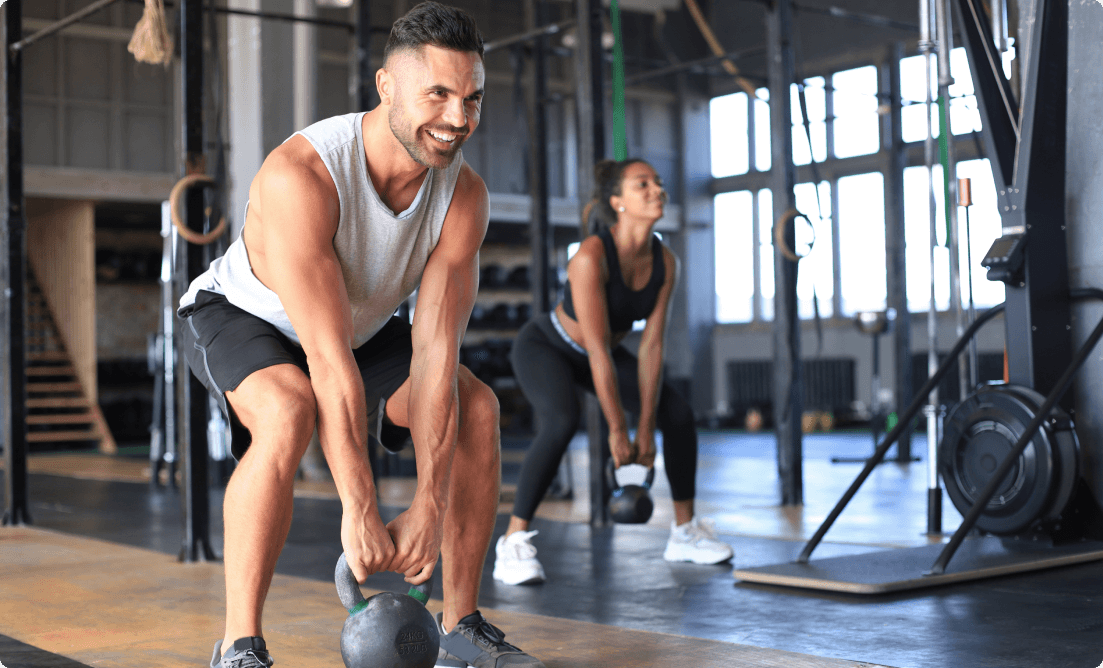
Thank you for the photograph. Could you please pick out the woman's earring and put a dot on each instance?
(621, 209)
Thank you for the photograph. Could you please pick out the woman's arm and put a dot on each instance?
(588, 274)
(651, 361)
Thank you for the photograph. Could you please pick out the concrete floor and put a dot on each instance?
(616, 576)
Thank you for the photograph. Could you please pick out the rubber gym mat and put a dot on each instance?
(888, 571)
(15, 654)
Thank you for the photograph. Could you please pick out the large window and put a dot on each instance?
(728, 118)
(734, 256)
(964, 112)
(845, 269)
(862, 243)
(976, 232)
(854, 101)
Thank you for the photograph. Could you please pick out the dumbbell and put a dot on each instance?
(388, 630)
(493, 276)
(519, 277)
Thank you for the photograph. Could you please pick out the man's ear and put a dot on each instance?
(385, 85)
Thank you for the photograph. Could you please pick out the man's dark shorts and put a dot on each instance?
(224, 345)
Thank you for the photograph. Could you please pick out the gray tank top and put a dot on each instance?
(382, 254)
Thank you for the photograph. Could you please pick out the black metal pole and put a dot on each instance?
(894, 248)
(365, 87)
(788, 385)
(590, 111)
(912, 410)
(15, 227)
(197, 541)
(540, 232)
(1004, 468)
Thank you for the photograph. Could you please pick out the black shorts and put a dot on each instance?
(225, 344)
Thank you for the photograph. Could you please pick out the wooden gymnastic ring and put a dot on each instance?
(779, 234)
(189, 235)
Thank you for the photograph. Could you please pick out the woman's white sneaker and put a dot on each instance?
(515, 559)
(696, 541)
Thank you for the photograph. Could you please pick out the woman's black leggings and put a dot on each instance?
(553, 376)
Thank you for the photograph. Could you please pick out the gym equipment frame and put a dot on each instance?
(1060, 524)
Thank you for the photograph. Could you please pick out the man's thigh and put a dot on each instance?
(224, 345)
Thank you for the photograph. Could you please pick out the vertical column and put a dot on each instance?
(590, 109)
(788, 385)
(246, 96)
(541, 241)
(365, 76)
(12, 272)
(304, 70)
(894, 244)
(196, 544)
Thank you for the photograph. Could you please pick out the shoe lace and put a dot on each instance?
(250, 659)
(489, 636)
(704, 528)
(522, 545)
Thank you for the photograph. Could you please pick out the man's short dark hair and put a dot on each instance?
(436, 25)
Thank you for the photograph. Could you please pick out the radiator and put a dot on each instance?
(828, 384)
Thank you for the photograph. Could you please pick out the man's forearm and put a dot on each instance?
(343, 429)
(434, 423)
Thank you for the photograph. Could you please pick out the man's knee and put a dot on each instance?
(480, 414)
(280, 413)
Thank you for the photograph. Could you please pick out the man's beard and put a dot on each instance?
(422, 152)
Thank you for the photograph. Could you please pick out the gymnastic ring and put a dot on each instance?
(779, 235)
(189, 235)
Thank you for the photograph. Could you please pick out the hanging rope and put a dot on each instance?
(151, 42)
(716, 47)
(189, 235)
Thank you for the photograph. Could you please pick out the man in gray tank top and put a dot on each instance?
(293, 329)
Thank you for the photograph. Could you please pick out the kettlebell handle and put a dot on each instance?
(611, 476)
(348, 589)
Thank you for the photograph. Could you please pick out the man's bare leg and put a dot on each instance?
(277, 405)
(473, 492)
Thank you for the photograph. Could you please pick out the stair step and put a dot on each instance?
(61, 418)
(48, 356)
(58, 402)
(49, 388)
(54, 436)
(60, 370)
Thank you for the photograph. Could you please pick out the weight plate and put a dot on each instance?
(979, 434)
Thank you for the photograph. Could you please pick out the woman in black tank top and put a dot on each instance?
(621, 273)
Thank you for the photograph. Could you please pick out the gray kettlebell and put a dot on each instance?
(388, 630)
(629, 504)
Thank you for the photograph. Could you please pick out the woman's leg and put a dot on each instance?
(546, 375)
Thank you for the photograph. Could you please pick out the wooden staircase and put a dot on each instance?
(59, 410)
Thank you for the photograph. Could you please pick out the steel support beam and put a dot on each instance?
(590, 109)
(540, 240)
(12, 275)
(196, 541)
(365, 79)
(788, 384)
(894, 246)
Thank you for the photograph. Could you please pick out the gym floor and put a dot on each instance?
(100, 552)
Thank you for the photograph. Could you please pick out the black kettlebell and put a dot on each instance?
(387, 630)
(629, 504)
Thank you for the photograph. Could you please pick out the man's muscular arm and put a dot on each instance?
(295, 212)
(444, 303)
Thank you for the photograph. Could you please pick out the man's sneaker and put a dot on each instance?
(477, 643)
(515, 559)
(246, 653)
(696, 541)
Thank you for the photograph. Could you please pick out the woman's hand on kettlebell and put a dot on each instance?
(368, 546)
(622, 449)
(418, 533)
(645, 448)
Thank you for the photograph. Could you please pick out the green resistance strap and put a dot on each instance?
(944, 158)
(620, 141)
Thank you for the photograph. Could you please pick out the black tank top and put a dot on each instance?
(625, 305)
